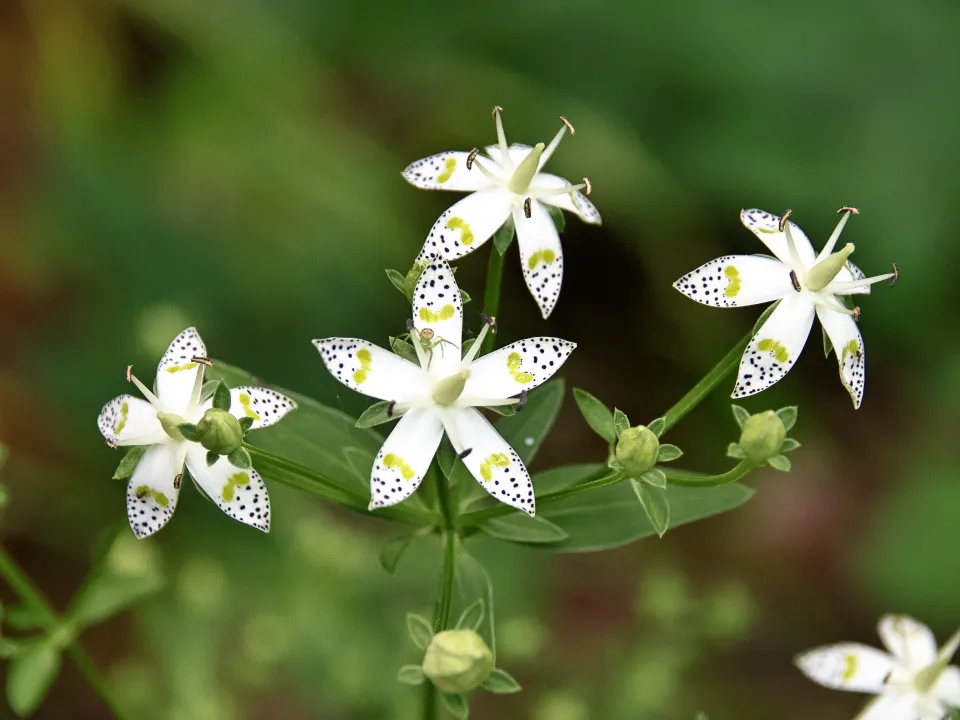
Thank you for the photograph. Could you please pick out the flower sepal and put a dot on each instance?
(129, 462)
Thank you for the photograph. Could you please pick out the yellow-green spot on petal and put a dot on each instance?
(245, 403)
(428, 315)
(733, 289)
(395, 461)
(157, 496)
(850, 664)
(513, 366)
(495, 460)
(774, 346)
(451, 165)
(547, 256)
(466, 234)
(122, 422)
(234, 481)
(851, 348)
(178, 368)
(366, 360)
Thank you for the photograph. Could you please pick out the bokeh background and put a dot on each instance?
(236, 165)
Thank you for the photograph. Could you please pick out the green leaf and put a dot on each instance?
(668, 452)
(526, 430)
(827, 344)
(129, 462)
(393, 551)
(471, 617)
(556, 214)
(735, 451)
(472, 582)
(504, 236)
(467, 344)
(22, 618)
(360, 462)
(788, 416)
(597, 415)
(420, 630)
(221, 397)
(501, 682)
(655, 503)
(189, 431)
(206, 392)
(657, 426)
(446, 457)
(740, 414)
(779, 462)
(621, 422)
(789, 445)
(30, 675)
(396, 279)
(212, 458)
(654, 477)
(240, 458)
(613, 516)
(377, 414)
(410, 675)
(464, 297)
(246, 422)
(404, 349)
(9, 648)
(456, 705)
(519, 527)
(562, 477)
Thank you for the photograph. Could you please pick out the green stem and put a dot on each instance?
(31, 596)
(491, 295)
(279, 469)
(690, 478)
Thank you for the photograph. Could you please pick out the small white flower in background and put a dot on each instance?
(442, 394)
(912, 681)
(805, 284)
(505, 181)
(154, 487)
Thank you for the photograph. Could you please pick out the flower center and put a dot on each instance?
(450, 388)
(522, 177)
(823, 273)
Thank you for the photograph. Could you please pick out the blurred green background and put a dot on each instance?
(236, 165)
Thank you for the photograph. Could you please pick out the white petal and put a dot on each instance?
(265, 406)
(510, 370)
(405, 457)
(373, 371)
(848, 346)
(127, 420)
(737, 281)
(468, 224)
(890, 707)
(766, 226)
(494, 464)
(575, 202)
(847, 666)
(910, 641)
(947, 687)
(437, 305)
(240, 493)
(776, 346)
(517, 151)
(540, 255)
(177, 372)
(448, 171)
(154, 488)
(849, 273)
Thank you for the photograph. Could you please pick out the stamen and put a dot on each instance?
(465, 453)
(491, 321)
(795, 280)
(505, 159)
(522, 401)
(202, 360)
(471, 157)
(791, 245)
(178, 481)
(528, 207)
(835, 235)
(568, 124)
(390, 406)
(566, 189)
(783, 219)
(129, 373)
(848, 209)
(409, 324)
(489, 324)
(556, 141)
(844, 288)
(111, 445)
(896, 275)
(856, 313)
(487, 173)
(153, 399)
(586, 182)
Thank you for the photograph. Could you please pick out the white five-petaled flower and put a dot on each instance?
(804, 283)
(912, 680)
(154, 487)
(441, 394)
(508, 180)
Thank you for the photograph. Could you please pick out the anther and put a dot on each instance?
(490, 321)
(409, 324)
(129, 373)
(522, 401)
(426, 334)
(202, 361)
(112, 446)
(896, 275)
(465, 453)
(783, 219)
(856, 313)
(848, 208)
(496, 109)
(178, 481)
(471, 157)
(528, 207)
(589, 188)
(568, 124)
(390, 406)
(795, 280)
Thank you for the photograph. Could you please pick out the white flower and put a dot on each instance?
(442, 394)
(912, 681)
(154, 487)
(505, 181)
(804, 283)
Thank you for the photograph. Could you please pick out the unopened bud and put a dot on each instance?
(220, 432)
(762, 436)
(637, 450)
(457, 661)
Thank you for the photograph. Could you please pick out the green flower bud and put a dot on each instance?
(762, 436)
(637, 450)
(457, 661)
(220, 432)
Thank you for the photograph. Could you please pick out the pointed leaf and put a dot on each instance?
(521, 528)
(206, 392)
(392, 552)
(788, 416)
(396, 279)
(30, 675)
(789, 445)
(410, 675)
(456, 705)
(657, 426)
(221, 396)
(735, 451)
(464, 297)
(246, 422)
(740, 414)
(473, 582)
(189, 431)
(129, 462)
(526, 430)
(420, 630)
(598, 416)
(779, 462)
(654, 477)
(655, 503)
(377, 414)
(212, 458)
(404, 349)
(471, 617)
(559, 219)
(504, 236)
(668, 452)
(446, 457)
(240, 458)
(827, 344)
(501, 682)
(502, 410)
(621, 422)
